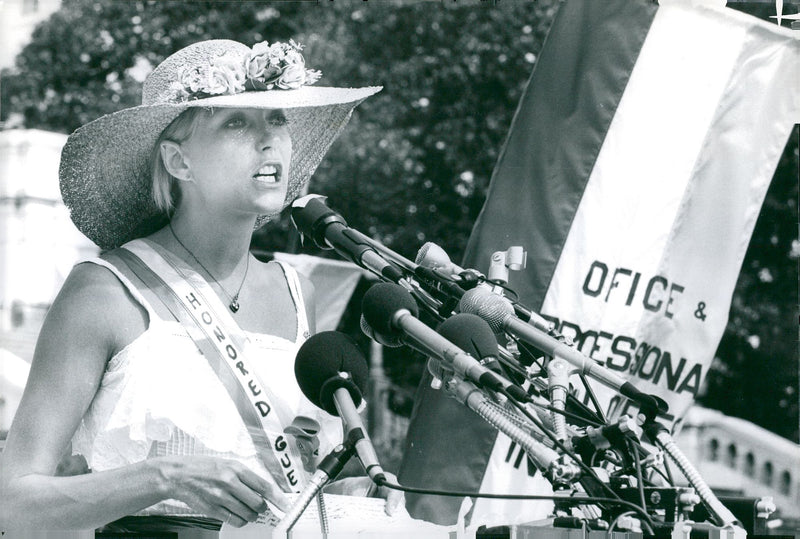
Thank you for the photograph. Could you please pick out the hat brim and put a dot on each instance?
(106, 170)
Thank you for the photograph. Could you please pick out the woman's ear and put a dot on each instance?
(175, 161)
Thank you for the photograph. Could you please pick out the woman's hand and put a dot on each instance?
(395, 499)
(220, 488)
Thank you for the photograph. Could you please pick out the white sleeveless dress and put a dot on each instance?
(159, 396)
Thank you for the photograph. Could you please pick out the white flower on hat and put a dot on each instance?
(258, 63)
(228, 73)
(225, 75)
(294, 76)
(293, 56)
(280, 65)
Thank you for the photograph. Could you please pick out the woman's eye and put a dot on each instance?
(278, 120)
(235, 122)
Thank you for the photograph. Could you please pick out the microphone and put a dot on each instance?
(386, 340)
(433, 262)
(329, 230)
(500, 316)
(332, 372)
(473, 335)
(434, 270)
(390, 310)
(434, 257)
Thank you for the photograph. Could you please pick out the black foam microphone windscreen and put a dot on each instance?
(471, 333)
(382, 301)
(326, 362)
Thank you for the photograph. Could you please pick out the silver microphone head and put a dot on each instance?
(391, 342)
(434, 257)
(422, 254)
(492, 308)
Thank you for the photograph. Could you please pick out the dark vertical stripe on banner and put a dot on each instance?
(447, 447)
(536, 186)
(556, 135)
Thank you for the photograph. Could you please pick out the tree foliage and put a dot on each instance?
(415, 162)
(755, 371)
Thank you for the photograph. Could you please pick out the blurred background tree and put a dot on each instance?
(415, 162)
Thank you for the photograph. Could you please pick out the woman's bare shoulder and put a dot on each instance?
(95, 286)
(306, 285)
(94, 300)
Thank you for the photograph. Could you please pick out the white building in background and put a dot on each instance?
(18, 18)
(740, 458)
(38, 247)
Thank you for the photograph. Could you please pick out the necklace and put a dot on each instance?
(234, 304)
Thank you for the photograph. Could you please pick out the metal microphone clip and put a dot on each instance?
(329, 468)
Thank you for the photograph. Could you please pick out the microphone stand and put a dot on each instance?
(328, 469)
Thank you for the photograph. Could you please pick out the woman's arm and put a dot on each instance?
(93, 317)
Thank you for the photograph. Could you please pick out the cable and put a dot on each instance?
(592, 397)
(561, 446)
(514, 296)
(639, 451)
(513, 366)
(569, 415)
(668, 470)
(577, 500)
(616, 520)
(527, 348)
(662, 474)
(605, 454)
(638, 469)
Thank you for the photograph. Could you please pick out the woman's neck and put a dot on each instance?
(218, 246)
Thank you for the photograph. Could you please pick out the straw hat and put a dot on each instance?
(106, 173)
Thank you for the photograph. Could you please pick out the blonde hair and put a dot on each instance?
(166, 191)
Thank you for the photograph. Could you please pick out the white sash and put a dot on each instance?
(222, 342)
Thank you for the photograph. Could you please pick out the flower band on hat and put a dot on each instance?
(266, 67)
(279, 65)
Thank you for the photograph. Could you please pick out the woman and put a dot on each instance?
(168, 364)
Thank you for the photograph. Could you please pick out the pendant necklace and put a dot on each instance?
(234, 304)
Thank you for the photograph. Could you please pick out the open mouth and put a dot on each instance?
(268, 174)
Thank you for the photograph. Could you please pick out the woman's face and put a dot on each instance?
(240, 158)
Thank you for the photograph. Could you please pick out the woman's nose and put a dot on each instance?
(271, 135)
(268, 137)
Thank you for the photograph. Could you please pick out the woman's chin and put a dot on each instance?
(270, 202)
